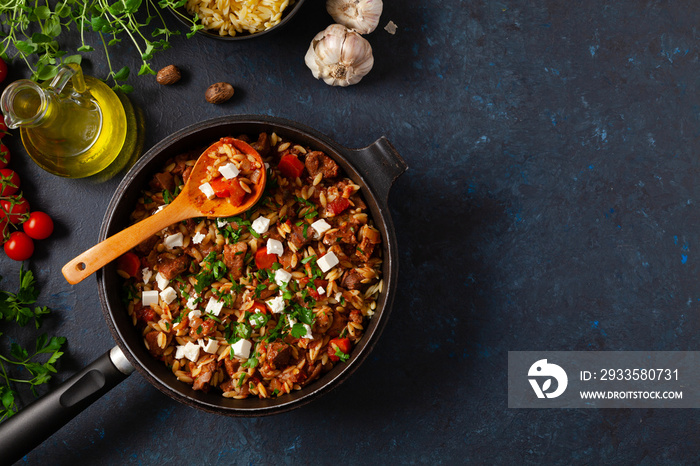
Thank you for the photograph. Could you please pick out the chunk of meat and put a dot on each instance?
(352, 280)
(339, 323)
(356, 316)
(171, 268)
(370, 238)
(317, 162)
(231, 366)
(297, 236)
(153, 348)
(262, 145)
(163, 180)
(202, 380)
(345, 233)
(234, 258)
(323, 322)
(200, 328)
(278, 354)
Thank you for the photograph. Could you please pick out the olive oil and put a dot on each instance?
(74, 126)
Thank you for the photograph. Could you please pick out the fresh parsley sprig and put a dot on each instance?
(18, 307)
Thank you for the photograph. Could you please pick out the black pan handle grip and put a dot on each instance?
(380, 164)
(32, 425)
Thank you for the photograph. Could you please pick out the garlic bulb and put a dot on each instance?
(359, 15)
(339, 56)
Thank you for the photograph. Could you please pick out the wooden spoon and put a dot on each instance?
(190, 203)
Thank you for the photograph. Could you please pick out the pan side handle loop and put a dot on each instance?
(32, 425)
(380, 164)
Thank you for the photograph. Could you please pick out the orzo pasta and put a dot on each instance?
(232, 17)
(266, 302)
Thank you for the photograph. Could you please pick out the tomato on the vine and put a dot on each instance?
(14, 210)
(4, 153)
(3, 70)
(19, 246)
(9, 182)
(38, 226)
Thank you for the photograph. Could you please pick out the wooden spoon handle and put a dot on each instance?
(103, 253)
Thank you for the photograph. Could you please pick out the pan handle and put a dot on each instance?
(381, 164)
(32, 425)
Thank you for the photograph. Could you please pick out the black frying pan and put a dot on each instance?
(374, 168)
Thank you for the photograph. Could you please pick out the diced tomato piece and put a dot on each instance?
(263, 260)
(343, 344)
(220, 186)
(230, 189)
(337, 206)
(290, 166)
(313, 291)
(258, 306)
(129, 263)
(236, 194)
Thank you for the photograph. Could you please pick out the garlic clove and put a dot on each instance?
(359, 15)
(339, 56)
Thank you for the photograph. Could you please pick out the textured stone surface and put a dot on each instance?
(551, 204)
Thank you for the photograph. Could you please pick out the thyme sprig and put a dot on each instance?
(30, 30)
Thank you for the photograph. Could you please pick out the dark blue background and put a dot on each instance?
(551, 204)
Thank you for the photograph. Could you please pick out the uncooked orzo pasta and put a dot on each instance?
(232, 17)
(266, 302)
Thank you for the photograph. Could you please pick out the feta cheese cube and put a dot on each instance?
(149, 298)
(260, 225)
(214, 306)
(162, 281)
(168, 295)
(321, 226)
(194, 314)
(241, 349)
(320, 290)
(173, 241)
(211, 346)
(327, 262)
(282, 276)
(146, 274)
(190, 303)
(338, 296)
(198, 238)
(276, 304)
(228, 171)
(160, 207)
(191, 351)
(274, 247)
(179, 352)
(221, 222)
(207, 190)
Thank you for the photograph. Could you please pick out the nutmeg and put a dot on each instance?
(168, 75)
(218, 93)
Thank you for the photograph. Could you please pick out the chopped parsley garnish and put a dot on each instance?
(241, 378)
(342, 356)
(298, 330)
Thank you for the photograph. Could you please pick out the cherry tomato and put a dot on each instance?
(40, 226)
(129, 263)
(14, 210)
(19, 246)
(4, 154)
(3, 70)
(9, 182)
(3, 126)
